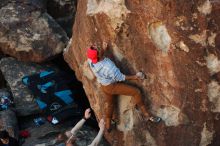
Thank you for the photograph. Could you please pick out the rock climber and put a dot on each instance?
(110, 78)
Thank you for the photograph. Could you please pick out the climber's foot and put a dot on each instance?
(111, 125)
(154, 119)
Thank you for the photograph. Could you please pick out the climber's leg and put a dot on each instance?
(125, 89)
(109, 107)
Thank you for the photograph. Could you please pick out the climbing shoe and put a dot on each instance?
(112, 125)
(154, 119)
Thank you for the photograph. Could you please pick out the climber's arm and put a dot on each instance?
(98, 137)
(79, 125)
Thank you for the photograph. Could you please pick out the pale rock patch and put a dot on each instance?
(160, 36)
(172, 116)
(183, 46)
(211, 39)
(214, 95)
(114, 9)
(200, 38)
(213, 63)
(205, 8)
(206, 136)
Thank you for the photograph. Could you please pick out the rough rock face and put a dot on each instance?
(28, 33)
(13, 72)
(176, 44)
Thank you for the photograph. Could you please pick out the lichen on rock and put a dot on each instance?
(206, 136)
(160, 36)
(114, 9)
(211, 39)
(183, 46)
(213, 63)
(214, 95)
(205, 8)
(200, 38)
(172, 116)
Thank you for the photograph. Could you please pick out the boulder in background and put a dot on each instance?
(13, 72)
(29, 34)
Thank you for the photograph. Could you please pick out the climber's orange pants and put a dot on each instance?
(121, 89)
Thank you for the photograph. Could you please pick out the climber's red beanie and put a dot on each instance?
(92, 54)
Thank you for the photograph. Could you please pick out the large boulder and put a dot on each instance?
(175, 43)
(13, 72)
(28, 33)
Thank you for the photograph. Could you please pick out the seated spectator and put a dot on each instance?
(69, 138)
(6, 140)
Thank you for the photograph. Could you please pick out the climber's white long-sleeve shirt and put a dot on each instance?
(106, 72)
